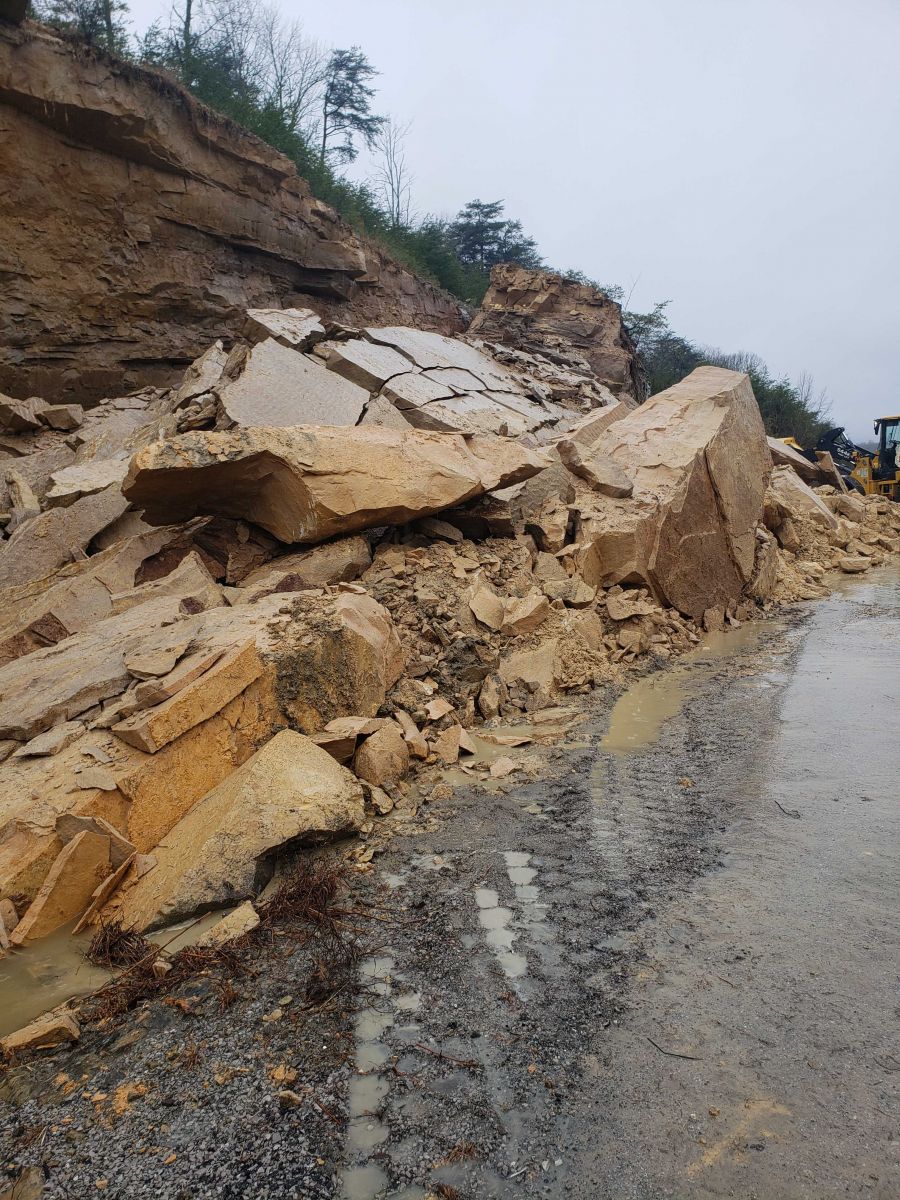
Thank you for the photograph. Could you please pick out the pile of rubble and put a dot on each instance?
(257, 609)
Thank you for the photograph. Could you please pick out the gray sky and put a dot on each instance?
(738, 157)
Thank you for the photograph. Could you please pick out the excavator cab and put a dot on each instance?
(880, 475)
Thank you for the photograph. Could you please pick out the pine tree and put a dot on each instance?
(346, 105)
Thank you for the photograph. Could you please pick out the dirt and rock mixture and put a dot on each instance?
(489, 946)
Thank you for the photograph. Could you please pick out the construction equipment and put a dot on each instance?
(871, 472)
(879, 473)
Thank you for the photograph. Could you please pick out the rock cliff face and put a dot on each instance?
(146, 225)
(537, 310)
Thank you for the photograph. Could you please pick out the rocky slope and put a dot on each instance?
(384, 541)
(145, 225)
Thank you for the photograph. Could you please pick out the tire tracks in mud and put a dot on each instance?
(519, 924)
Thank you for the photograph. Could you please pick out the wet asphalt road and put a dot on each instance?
(664, 971)
(674, 971)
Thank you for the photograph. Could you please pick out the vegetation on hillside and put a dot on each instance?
(315, 105)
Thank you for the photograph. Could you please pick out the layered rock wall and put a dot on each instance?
(145, 225)
(537, 310)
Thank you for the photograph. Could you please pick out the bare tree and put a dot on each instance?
(393, 179)
(293, 69)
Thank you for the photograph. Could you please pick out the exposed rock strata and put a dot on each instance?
(185, 218)
(537, 310)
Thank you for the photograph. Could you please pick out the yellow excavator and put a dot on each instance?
(879, 473)
(872, 472)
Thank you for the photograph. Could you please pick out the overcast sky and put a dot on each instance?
(740, 158)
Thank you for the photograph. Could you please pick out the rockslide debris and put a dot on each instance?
(271, 603)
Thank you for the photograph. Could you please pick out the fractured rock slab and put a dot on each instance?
(366, 364)
(298, 328)
(151, 729)
(52, 1029)
(84, 479)
(80, 867)
(57, 536)
(218, 853)
(339, 561)
(274, 386)
(602, 473)
(306, 485)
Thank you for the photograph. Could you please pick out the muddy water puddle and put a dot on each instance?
(641, 712)
(53, 971)
(44, 975)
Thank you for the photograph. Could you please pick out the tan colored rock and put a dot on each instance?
(487, 607)
(274, 386)
(784, 455)
(524, 615)
(333, 562)
(57, 536)
(20, 416)
(8, 915)
(23, 502)
(789, 497)
(431, 350)
(341, 746)
(854, 566)
(852, 508)
(43, 612)
(536, 667)
(52, 741)
(549, 525)
(415, 391)
(104, 892)
(159, 686)
(202, 375)
(437, 708)
(84, 479)
(699, 461)
(364, 363)
(52, 1029)
(65, 680)
(242, 920)
(538, 309)
(383, 758)
(380, 411)
(64, 417)
(589, 429)
(190, 581)
(622, 606)
(69, 825)
(306, 485)
(220, 851)
(601, 473)
(151, 729)
(446, 744)
(79, 868)
(829, 471)
(298, 328)
(490, 697)
(412, 735)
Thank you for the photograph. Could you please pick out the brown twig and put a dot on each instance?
(673, 1053)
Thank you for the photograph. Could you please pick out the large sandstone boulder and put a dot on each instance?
(784, 455)
(309, 484)
(220, 852)
(789, 497)
(698, 459)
